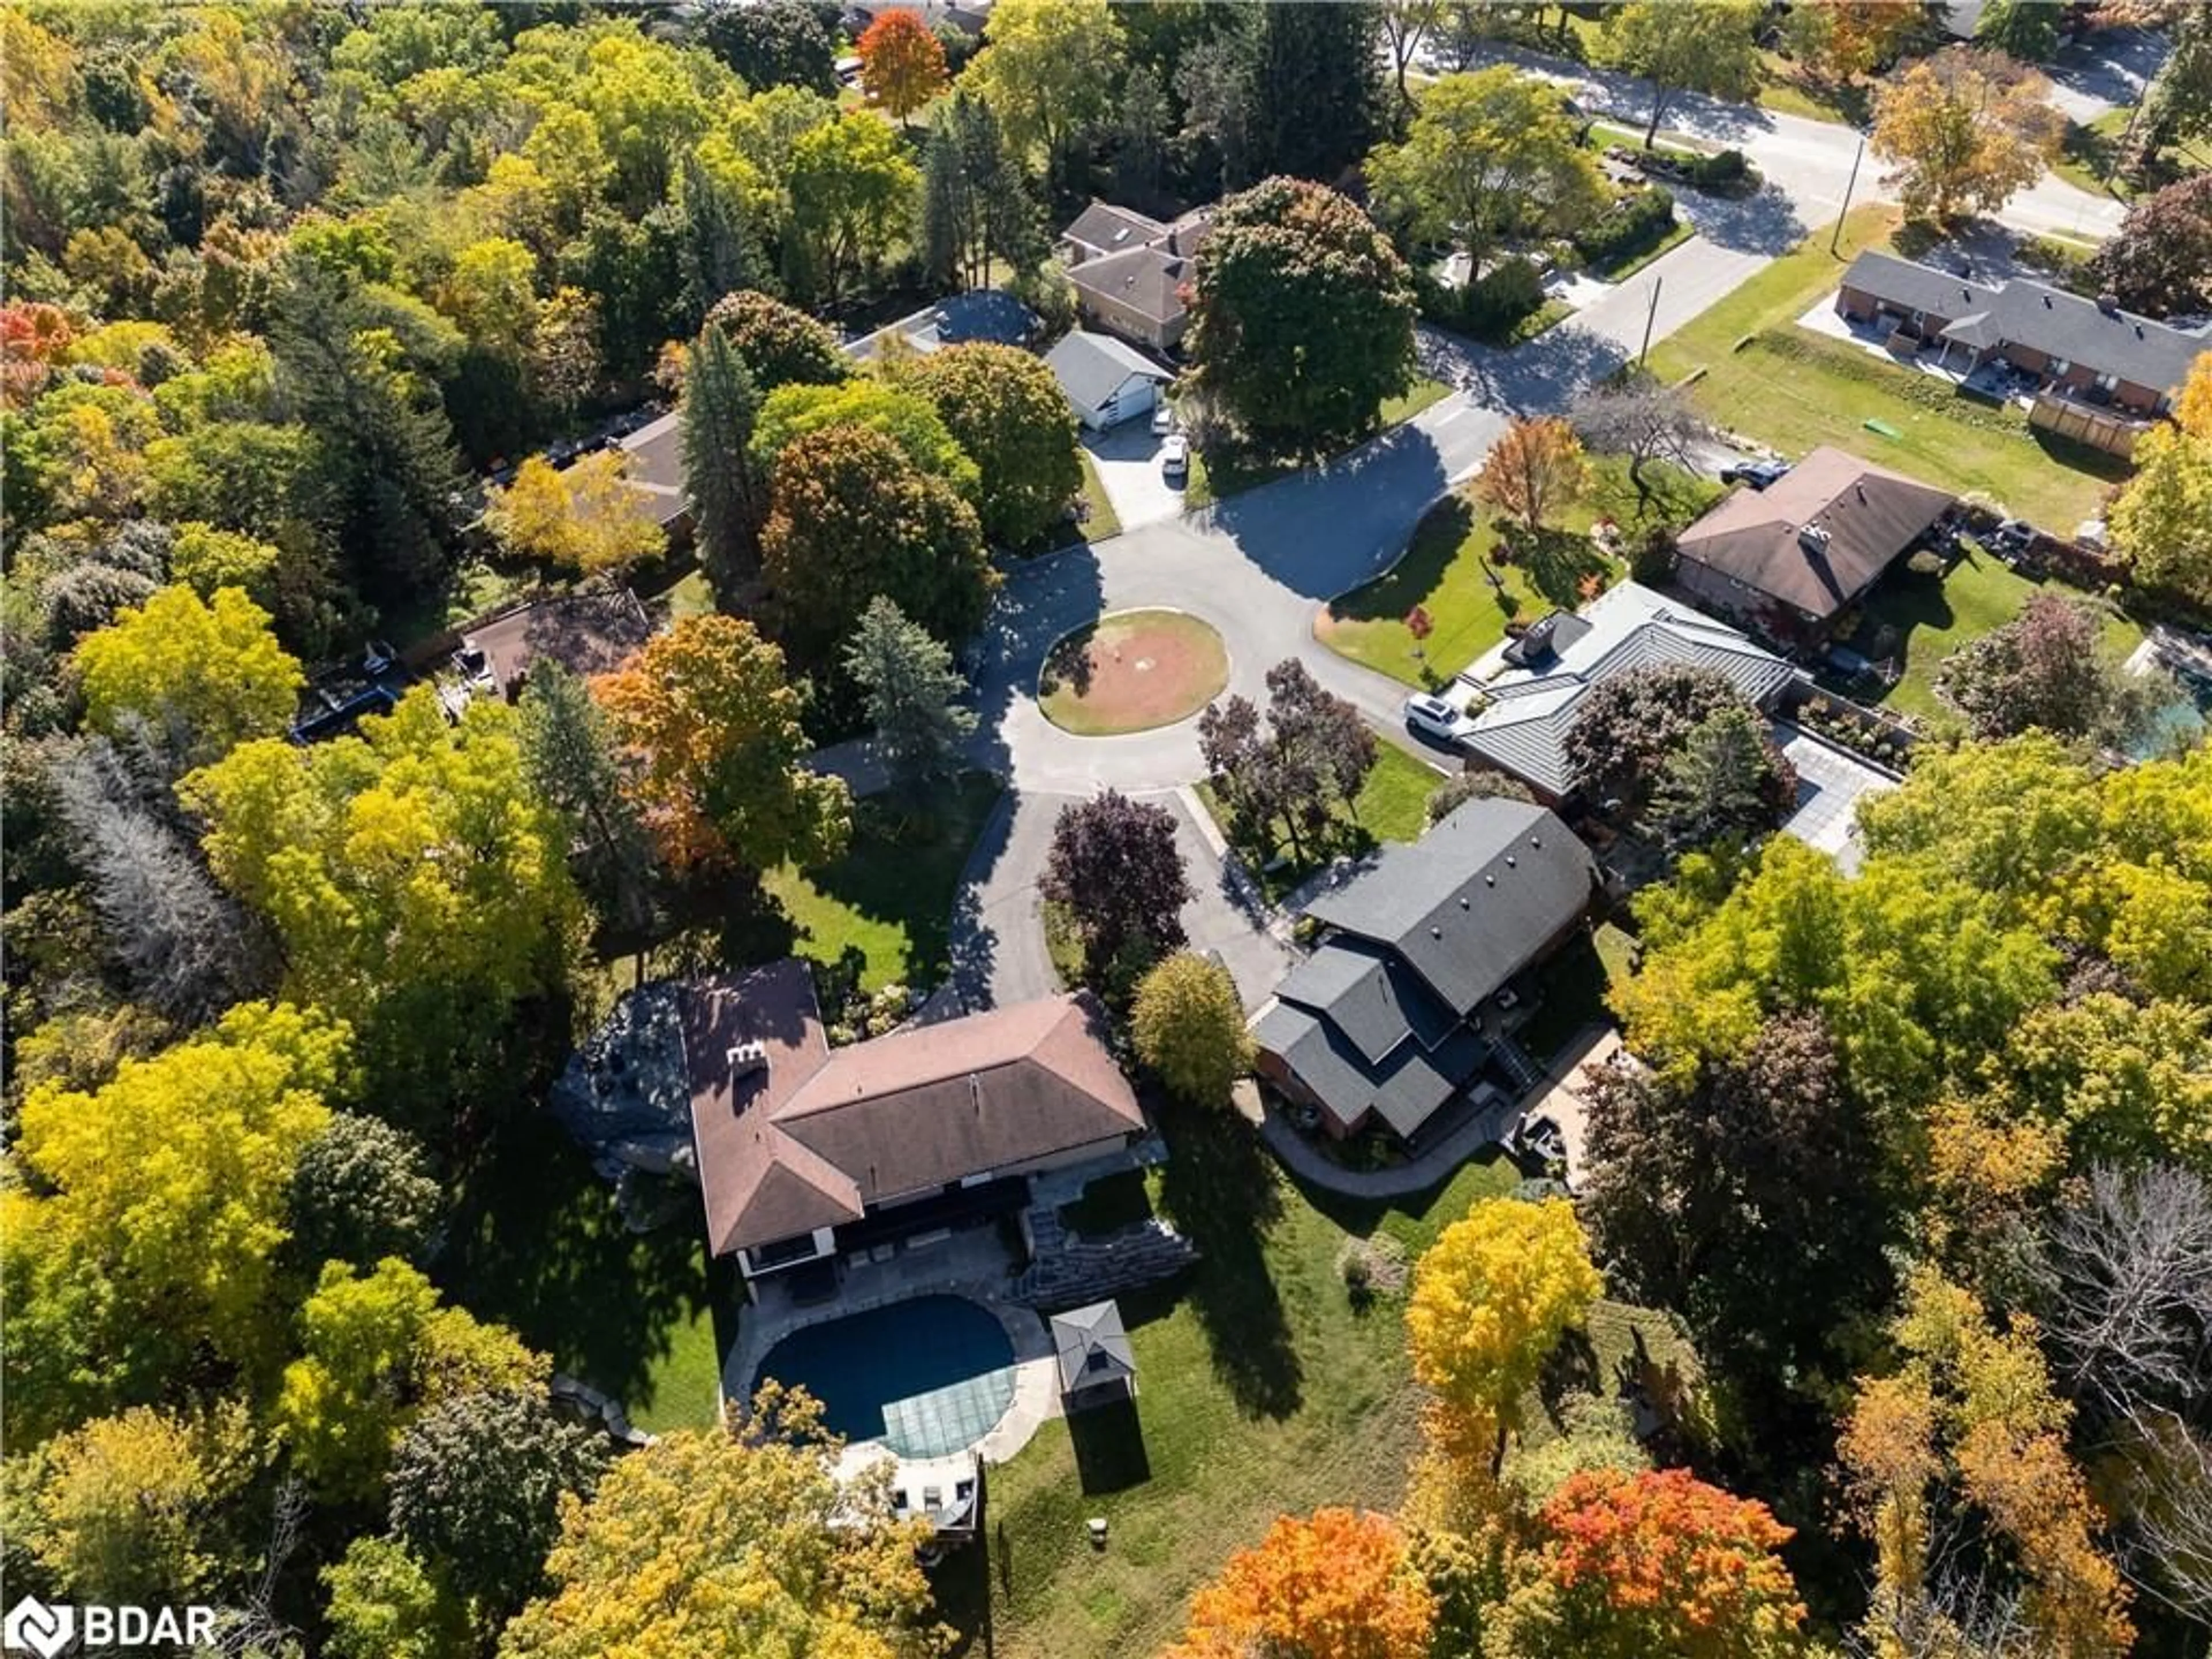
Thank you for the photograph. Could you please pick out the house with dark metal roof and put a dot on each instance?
(1130, 272)
(1522, 700)
(590, 630)
(1792, 556)
(1396, 1012)
(2084, 352)
(980, 316)
(804, 1151)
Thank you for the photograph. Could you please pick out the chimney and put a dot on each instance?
(1813, 539)
(747, 1058)
(2109, 304)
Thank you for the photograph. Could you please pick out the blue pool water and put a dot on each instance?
(926, 1378)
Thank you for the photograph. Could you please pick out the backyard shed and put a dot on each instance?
(1096, 1362)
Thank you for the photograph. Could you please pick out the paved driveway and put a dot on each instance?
(1128, 459)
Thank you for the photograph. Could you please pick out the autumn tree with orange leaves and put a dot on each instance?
(1633, 1565)
(1536, 468)
(901, 62)
(705, 723)
(1971, 1417)
(1339, 1585)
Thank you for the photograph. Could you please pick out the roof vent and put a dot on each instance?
(1489, 880)
(746, 1057)
(1436, 932)
(1509, 861)
(2139, 333)
(1536, 842)
(1464, 904)
(2046, 302)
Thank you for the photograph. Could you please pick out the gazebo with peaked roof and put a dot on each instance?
(1097, 1362)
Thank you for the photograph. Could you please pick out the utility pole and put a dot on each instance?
(1650, 317)
(1843, 212)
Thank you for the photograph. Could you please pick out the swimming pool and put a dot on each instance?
(926, 1378)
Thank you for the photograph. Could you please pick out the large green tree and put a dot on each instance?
(209, 675)
(779, 343)
(1047, 69)
(1685, 46)
(853, 518)
(476, 1483)
(1488, 155)
(852, 193)
(568, 751)
(976, 210)
(1317, 87)
(1302, 319)
(1006, 410)
(907, 418)
(1188, 1024)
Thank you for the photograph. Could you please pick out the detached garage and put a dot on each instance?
(1107, 382)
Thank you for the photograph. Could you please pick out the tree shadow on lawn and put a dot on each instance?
(537, 1243)
(1218, 1188)
(1417, 576)
(1557, 561)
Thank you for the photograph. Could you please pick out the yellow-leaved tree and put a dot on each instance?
(586, 516)
(1971, 1417)
(1491, 1300)
(207, 671)
(149, 1229)
(717, 1543)
(1967, 129)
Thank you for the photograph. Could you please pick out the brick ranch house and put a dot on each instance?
(2086, 354)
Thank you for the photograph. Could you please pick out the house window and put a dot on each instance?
(2108, 383)
(2059, 366)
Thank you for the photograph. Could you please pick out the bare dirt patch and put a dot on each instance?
(1131, 672)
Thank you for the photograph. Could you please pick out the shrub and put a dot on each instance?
(1717, 171)
(1635, 222)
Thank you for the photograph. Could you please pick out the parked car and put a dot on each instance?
(1757, 473)
(1174, 454)
(1163, 419)
(1432, 716)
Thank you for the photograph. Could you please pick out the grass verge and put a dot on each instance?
(1392, 805)
(1229, 469)
(1132, 671)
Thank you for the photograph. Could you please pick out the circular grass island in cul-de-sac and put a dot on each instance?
(1132, 672)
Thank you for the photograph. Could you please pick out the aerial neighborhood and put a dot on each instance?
(1367, 829)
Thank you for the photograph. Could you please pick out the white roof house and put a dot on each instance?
(1520, 698)
(1106, 381)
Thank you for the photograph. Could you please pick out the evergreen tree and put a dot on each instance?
(727, 494)
(719, 256)
(976, 206)
(1315, 88)
(567, 749)
(911, 691)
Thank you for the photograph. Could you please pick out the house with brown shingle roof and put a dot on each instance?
(1792, 556)
(1132, 273)
(805, 1152)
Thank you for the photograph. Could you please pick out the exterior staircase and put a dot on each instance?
(1513, 1060)
(1068, 1270)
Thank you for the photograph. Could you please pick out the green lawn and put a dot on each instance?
(1781, 385)
(536, 1244)
(1098, 521)
(1924, 620)
(890, 898)
(1262, 1391)
(1452, 571)
(1397, 411)
(1573, 985)
(2089, 156)
(1392, 805)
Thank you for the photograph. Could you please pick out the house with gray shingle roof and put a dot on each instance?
(1130, 272)
(1106, 381)
(2085, 350)
(1386, 1021)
